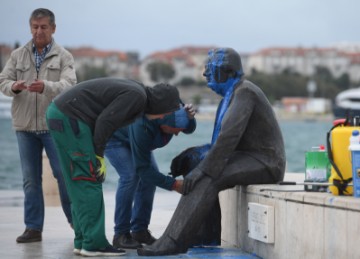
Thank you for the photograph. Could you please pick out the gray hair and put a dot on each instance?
(42, 12)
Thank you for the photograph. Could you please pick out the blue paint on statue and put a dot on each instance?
(221, 83)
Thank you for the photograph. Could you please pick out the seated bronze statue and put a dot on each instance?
(247, 147)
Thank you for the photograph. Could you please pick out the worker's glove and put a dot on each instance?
(190, 180)
(100, 171)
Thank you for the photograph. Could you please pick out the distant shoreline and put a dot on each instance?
(304, 117)
(279, 116)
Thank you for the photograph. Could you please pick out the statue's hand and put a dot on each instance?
(190, 180)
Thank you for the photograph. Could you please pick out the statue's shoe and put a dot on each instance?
(163, 246)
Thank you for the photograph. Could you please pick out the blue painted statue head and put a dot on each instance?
(223, 69)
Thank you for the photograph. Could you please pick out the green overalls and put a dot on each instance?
(74, 144)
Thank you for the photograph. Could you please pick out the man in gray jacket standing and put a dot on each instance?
(34, 75)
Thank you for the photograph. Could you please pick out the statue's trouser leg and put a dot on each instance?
(193, 208)
(190, 213)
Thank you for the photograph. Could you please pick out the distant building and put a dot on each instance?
(305, 61)
(188, 62)
(306, 105)
(294, 104)
(354, 68)
(115, 63)
(348, 47)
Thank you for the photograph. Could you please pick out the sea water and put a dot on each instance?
(299, 137)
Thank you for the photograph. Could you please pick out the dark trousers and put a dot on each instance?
(195, 207)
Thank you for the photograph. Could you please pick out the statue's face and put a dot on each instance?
(218, 71)
(215, 70)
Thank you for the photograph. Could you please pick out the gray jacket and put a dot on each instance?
(58, 73)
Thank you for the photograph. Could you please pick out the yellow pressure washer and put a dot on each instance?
(340, 155)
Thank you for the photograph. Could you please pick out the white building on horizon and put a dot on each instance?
(305, 61)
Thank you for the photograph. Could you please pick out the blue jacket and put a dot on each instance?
(142, 137)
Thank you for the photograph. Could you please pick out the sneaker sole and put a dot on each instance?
(77, 251)
(148, 239)
(94, 254)
(127, 247)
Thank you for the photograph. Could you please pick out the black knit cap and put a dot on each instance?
(162, 98)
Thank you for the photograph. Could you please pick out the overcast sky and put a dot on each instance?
(146, 26)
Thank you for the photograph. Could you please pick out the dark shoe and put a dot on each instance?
(163, 246)
(30, 235)
(125, 241)
(108, 251)
(143, 237)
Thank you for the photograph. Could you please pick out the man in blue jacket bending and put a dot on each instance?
(130, 151)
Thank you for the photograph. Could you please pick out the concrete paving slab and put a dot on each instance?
(58, 236)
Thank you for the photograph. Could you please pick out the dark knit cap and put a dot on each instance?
(162, 98)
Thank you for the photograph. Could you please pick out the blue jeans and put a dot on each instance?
(31, 146)
(134, 198)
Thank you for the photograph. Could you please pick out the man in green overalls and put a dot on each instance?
(81, 120)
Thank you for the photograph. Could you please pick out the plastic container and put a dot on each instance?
(340, 143)
(317, 168)
(354, 139)
(355, 161)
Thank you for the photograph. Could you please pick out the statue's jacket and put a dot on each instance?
(249, 127)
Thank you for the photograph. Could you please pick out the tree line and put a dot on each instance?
(290, 84)
(275, 86)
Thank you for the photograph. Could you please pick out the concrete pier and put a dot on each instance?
(305, 225)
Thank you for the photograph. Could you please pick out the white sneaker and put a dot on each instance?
(77, 251)
(108, 251)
